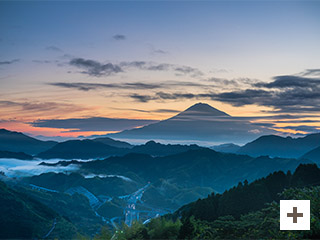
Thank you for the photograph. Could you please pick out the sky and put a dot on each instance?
(117, 65)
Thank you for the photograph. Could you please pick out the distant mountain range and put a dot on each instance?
(18, 145)
(226, 148)
(86, 149)
(199, 122)
(201, 167)
(19, 142)
(276, 146)
(113, 143)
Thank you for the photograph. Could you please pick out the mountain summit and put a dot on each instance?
(202, 109)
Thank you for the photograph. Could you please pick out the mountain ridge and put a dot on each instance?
(18, 142)
(277, 146)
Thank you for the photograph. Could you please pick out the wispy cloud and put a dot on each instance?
(159, 51)
(92, 124)
(95, 86)
(152, 66)
(301, 128)
(41, 107)
(53, 48)
(94, 68)
(119, 37)
(162, 110)
(98, 69)
(310, 72)
(85, 86)
(9, 62)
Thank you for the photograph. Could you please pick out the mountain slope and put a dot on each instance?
(158, 149)
(276, 146)
(251, 197)
(16, 155)
(199, 122)
(226, 148)
(313, 155)
(248, 211)
(21, 217)
(82, 149)
(113, 143)
(18, 142)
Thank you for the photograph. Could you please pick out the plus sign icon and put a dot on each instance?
(294, 214)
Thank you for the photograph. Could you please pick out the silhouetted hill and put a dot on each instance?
(113, 143)
(248, 211)
(22, 217)
(199, 122)
(246, 197)
(158, 149)
(226, 148)
(276, 146)
(313, 155)
(16, 155)
(18, 142)
(82, 149)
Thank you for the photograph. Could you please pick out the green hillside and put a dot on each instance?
(22, 217)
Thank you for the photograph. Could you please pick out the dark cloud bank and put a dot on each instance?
(290, 94)
(92, 124)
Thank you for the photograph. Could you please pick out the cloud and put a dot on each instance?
(92, 124)
(237, 98)
(234, 83)
(186, 70)
(98, 69)
(159, 51)
(9, 62)
(289, 81)
(149, 111)
(119, 37)
(310, 72)
(42, 107)
(303, 128)
(154, 50)
(54, 49)
(42, 61)
(24, 168)
(285, 94)
(289, 93)
(240, 98)
(94, 68)
(173, 96)
(142, 98)
(84, 86)
(95, 86)
(166, 111)
(151, 66)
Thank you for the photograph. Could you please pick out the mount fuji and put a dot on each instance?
(200, 122)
